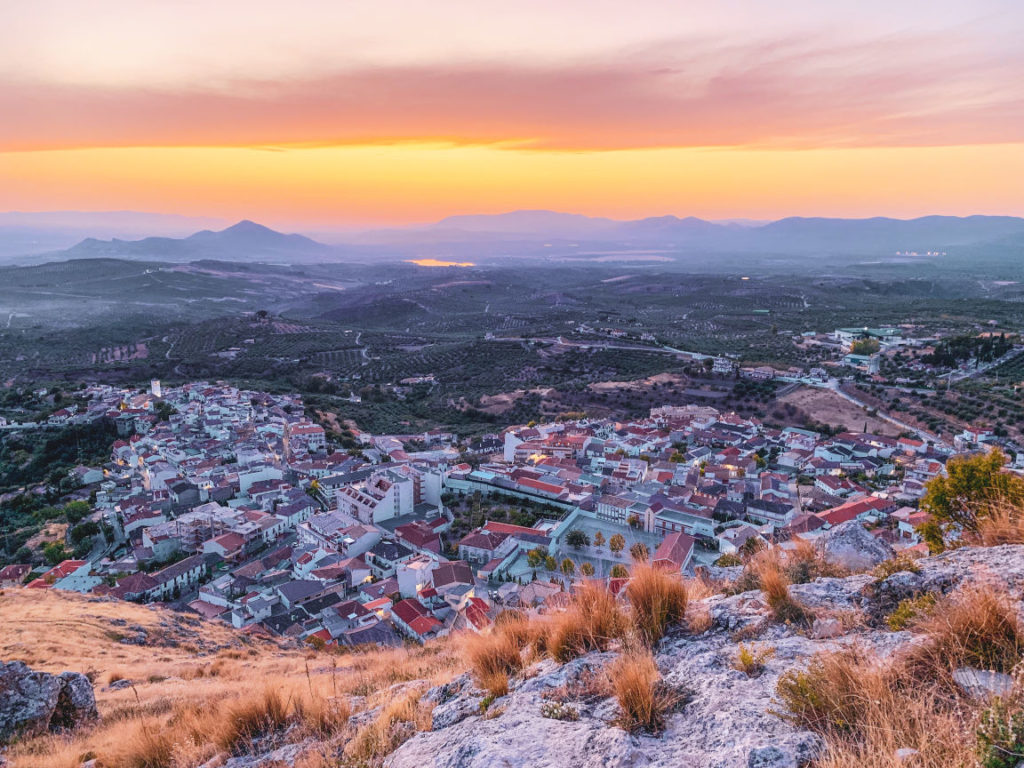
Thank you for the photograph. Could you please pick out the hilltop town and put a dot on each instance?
(236, 505)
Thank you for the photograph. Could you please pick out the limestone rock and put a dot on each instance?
(982, 684)
(849, 544)
(36, 702)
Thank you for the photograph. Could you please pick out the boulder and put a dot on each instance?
(982, 684)
(850, 545)
(37, 702)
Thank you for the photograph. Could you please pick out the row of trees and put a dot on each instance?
(577, 539)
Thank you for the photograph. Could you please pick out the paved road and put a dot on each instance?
(987, 366)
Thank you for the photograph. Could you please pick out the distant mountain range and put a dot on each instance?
(46, 231)
(245, 240)
(549, 234)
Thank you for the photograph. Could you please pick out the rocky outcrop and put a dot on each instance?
(850, 545)
(729, 720)
(37, 702)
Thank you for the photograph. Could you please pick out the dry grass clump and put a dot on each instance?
(973, 627)
(657, 600)
(804, 562)
(644, 699)
(196, 734)
(496, 656)
(592, 620)
(775, 586)
(867, 708)
(1002, 523)
(399, 720)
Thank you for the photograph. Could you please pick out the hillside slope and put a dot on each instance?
(204, 695)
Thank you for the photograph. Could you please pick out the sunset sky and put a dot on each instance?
(321, 113)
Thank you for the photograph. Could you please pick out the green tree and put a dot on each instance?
(598, 539)
(972, 486)
(568, 567)
(577, 539)
(639, 552)
(54, 552)
(865, 347)
(76, 511)
(550, 563)
(619, 571)
(617, 543)
(535, 557)
(587, 570)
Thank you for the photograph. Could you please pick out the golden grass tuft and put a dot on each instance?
(495, 656)
(591, 621)
(976, 626)
(867, 708)
(775, 586)
(644, 699)
(657, 600)
(399, 720)
(1002, 523)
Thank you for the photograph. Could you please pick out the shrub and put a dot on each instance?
(556, 710)
(910, 610)
(750, 661)
(657, 600)
(1000, 736)
(899, 563)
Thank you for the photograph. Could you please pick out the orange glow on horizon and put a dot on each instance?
(409, 183)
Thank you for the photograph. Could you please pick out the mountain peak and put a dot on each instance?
(248, 226)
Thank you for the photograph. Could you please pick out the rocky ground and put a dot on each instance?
(728, 720)
(555, 716)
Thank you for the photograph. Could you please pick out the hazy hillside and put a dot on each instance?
(794, 664)
(549, 235)
(244, 241)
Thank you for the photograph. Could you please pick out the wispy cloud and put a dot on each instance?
(902, 90)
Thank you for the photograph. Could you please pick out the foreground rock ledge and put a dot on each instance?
(33, 702)
(727, 722)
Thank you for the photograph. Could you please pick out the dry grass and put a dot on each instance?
(973, 627)
(398, 720)
(804, 562)
(643, 698)
(496, 656)
(775, 586)
(1002, 524)
(867, 708)
(657, 600)
(191, 701)
(592, 620)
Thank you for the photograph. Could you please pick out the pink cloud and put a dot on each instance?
(899, 91)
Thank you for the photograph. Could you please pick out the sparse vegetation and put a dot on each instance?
(910, 610)
(657, 600)
(644, 699)
(750, 660)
